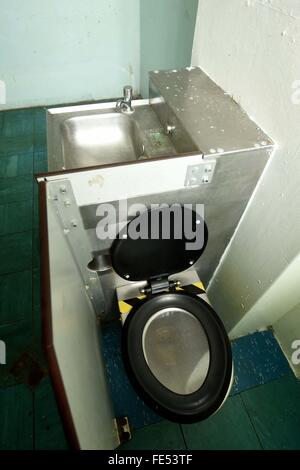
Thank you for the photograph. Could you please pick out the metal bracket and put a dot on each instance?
(157, 285)
(67, 211)
(201, 173)
(123, 429)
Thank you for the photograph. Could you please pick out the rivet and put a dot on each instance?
(67, 202)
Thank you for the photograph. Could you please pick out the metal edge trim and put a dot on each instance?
(47, 331)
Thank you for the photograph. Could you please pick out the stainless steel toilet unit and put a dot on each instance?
(213, 154)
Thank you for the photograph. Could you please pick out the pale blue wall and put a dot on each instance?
(167, 31)
(58, 51)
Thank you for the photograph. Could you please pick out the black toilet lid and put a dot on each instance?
(178, 356)
(137, 259)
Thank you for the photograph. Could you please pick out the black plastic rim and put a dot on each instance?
(209, 397)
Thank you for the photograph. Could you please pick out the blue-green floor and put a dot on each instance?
(262, 412)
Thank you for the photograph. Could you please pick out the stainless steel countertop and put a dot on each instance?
(216, 123)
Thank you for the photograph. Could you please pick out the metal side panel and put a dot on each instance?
(71, 340)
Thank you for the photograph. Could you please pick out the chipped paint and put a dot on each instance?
(96, 180)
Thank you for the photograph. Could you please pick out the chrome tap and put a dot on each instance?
(124, 104)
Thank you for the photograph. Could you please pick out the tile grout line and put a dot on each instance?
(13, 324)
(257, 385)
(32, 271)
(14, 233)
(29, 270)
(16, 272)
(32, 226)
(251, 421)
(2, 126)
(25, 179)
(33, 421)
(10, 204)
(22, 231)
(183, 436)
(15, 202)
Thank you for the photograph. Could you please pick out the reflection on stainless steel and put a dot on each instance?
(176, 350)
(100, 263)
(105, 138)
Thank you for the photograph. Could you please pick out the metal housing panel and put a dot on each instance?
(77, 343)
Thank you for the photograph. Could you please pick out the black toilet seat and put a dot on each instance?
(183, 372)
(203, 402)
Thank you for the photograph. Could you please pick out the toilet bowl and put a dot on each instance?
(175, 348)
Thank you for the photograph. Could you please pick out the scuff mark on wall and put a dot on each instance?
(279, 9)
(96, 180)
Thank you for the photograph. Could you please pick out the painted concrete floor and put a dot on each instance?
(262, 412)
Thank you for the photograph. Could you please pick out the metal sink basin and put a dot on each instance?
(96, 134)
(100, 139)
